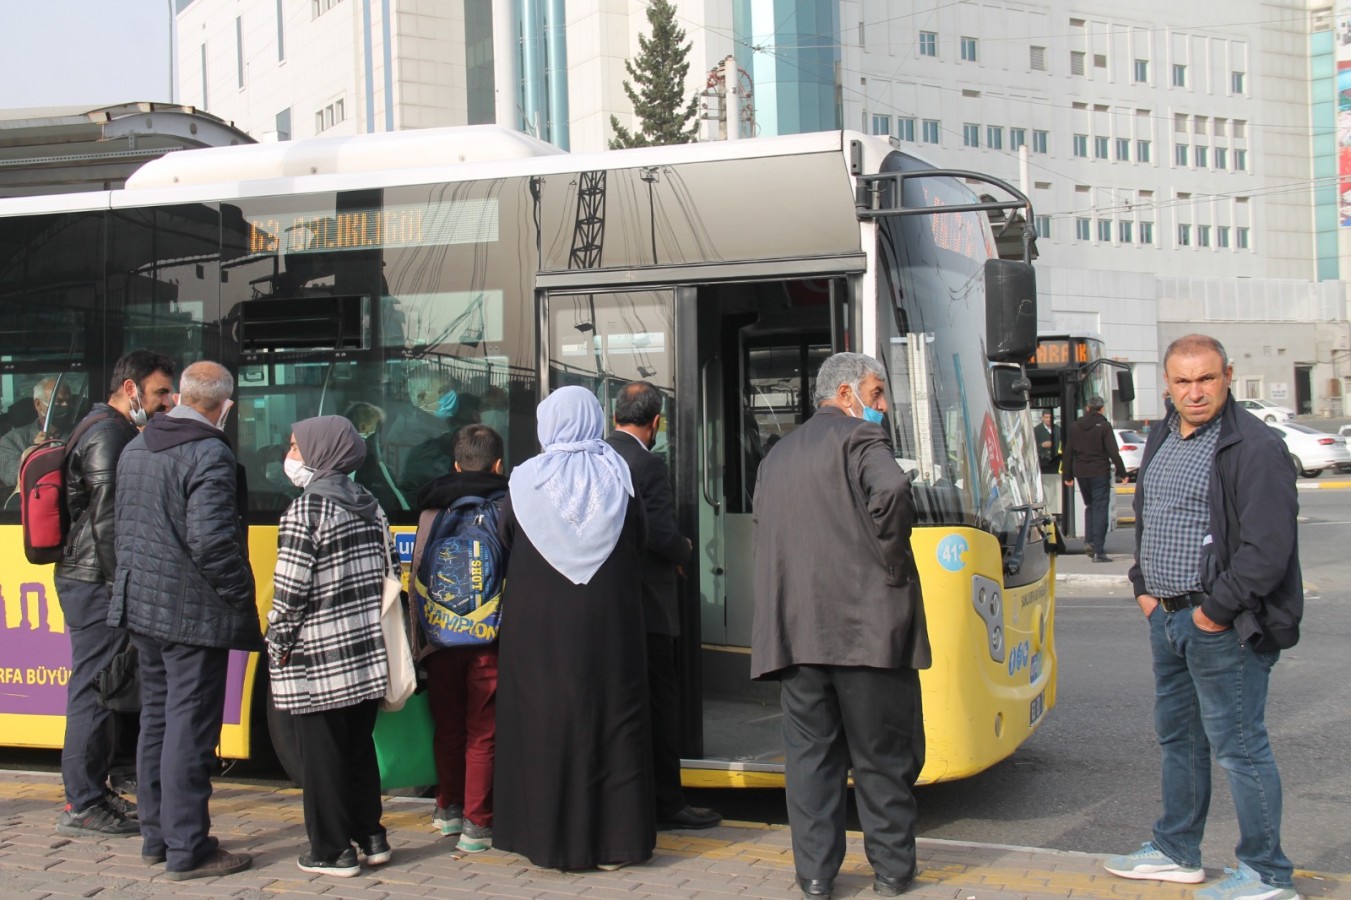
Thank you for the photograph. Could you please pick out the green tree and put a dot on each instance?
(659, 71)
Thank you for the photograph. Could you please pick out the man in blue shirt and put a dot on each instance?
(1217, 576)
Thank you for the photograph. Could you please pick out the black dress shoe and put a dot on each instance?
(886, 886)
(1102, 557)
(693, 817)
(816, 888)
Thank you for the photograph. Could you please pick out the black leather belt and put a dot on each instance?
(1182, 601)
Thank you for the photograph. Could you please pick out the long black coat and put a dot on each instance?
(835, 580)
(666, 546)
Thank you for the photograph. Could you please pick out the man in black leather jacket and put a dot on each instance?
(142, 384)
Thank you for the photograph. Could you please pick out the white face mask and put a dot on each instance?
(299, 473)
(138, 416)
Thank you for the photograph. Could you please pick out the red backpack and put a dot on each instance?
(42, 495)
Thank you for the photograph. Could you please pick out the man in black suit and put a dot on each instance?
(637, 421)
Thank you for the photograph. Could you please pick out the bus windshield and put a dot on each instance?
(970, 463)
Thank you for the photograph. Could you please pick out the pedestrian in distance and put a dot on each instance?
(573, 786)
(1048, 444)
(142, 385)
(185, 591)
(1217, 577)
(1090, 452)
(637, 423)
(326, 652)
(457, 648)
(845, 639)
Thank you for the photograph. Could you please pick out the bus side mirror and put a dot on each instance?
(1125, 385)
(1010, 311)
(1009, 387)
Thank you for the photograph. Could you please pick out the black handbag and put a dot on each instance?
(117, 688)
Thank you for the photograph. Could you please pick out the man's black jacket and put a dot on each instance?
(91, 484)
(1250, 568)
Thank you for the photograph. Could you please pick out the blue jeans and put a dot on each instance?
(1210, 691)
(1097, 492)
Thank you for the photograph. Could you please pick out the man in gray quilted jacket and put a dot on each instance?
(185, 591)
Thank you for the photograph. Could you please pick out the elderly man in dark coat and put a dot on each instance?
(839, 622)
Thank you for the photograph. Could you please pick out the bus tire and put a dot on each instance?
(285, 741)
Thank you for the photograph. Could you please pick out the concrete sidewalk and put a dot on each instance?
(735, 859)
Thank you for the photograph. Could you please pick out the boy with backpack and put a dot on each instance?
(458, 566)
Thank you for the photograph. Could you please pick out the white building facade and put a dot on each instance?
(1182, 165)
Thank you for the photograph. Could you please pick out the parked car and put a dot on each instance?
(1268, 411)
(1132, 447)
(1314, 450)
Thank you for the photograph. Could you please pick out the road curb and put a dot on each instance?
(1074, 579)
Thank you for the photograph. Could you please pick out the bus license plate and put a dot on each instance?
(1034, 668)
(1038, 708)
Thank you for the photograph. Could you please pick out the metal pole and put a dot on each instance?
(171, 51)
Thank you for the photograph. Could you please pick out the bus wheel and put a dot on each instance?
(285, 740)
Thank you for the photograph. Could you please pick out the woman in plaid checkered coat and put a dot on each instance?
(325, 649)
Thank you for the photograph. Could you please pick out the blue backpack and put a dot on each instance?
(458, 579)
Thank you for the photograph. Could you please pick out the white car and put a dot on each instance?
(1268, 411)
(1132, 447)
(1314, 450)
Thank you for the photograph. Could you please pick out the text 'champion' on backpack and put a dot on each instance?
(458, 582)
(43, 512)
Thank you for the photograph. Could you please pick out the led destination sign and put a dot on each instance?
(458, 222)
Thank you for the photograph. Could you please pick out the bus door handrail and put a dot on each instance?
(706, 443)
(1013, 556)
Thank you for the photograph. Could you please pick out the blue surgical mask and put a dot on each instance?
(872, 415)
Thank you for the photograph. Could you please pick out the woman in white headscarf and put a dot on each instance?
(326, 652)
(573, 786)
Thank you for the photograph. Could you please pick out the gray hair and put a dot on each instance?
(42, 391)
(844, 368)
(206, 385)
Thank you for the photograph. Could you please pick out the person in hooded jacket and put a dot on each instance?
(1090, 452)
(184, 589)
(326, 653)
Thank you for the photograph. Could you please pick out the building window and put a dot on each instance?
(1203, 235)
(1142, 70)
(1202, 156)
(994, 137)
(239, 50)
(204, 94)
(1017, 137)
(319, 7)
(1221, 157)
(1100, 147)
(1123, 230)
(319, 121)
(1083, 229)
(1180, 154)
(1179, 75)
(968, 49)
(1142, 151)
(281, 41)
(1184, 235)
(930, 131)
(1037, 59)
(284, 124)
(1105, 230)
(1236, 82)
(1240, 160)
(1222, 236)
(928, 43)
(905, 129)
(333, 114)
(1146, 232)
(882, 125)
(1040, 141)
(1123, 149)
(1042, 226)
(1241, 238)
(1081, 145)
(970, 135)
(862, 37)
(1076, 62)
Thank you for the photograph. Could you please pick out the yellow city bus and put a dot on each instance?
(419, 280)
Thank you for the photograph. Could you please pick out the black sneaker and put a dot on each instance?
(120, 804)
(99, 820)
(376, 849)
(1102, 557)
(344, 866)
(222, 862)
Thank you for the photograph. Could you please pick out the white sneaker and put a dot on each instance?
(1151, 864)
